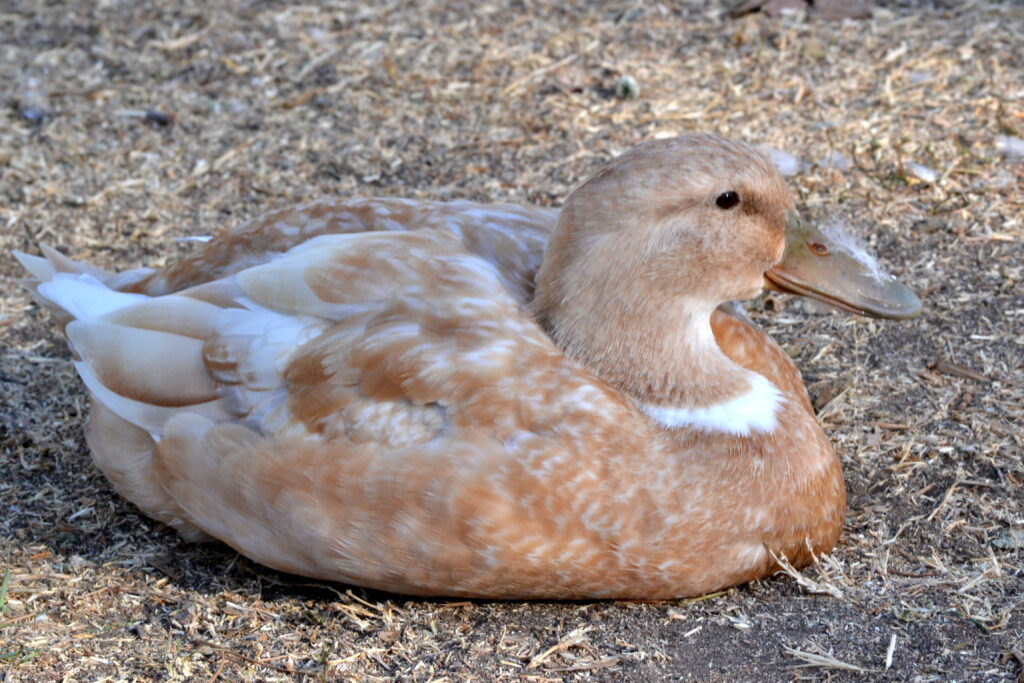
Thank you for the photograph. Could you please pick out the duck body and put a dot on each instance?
(501, 402)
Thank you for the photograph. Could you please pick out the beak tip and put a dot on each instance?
(909, 303)
(901, 304)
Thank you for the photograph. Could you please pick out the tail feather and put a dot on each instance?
(82, 296)
(54, 271)
(43, 268)
(207, 355)
(40, 268)
(65, 265)
(141, 358)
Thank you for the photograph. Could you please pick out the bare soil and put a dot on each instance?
(127, 125)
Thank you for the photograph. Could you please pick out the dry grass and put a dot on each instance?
(259, 104)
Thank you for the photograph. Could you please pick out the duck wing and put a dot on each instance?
(374, 408)
(510, 237)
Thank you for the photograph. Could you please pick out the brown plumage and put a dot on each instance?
(390, 394)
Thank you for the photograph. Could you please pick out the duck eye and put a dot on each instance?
(818, 248)
(727, 200)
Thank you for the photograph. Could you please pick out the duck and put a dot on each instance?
(484, 401)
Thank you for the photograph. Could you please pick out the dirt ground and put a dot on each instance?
(127, 125)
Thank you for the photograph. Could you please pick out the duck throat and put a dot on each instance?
(667, 360)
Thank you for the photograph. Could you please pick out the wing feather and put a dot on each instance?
(383, 411)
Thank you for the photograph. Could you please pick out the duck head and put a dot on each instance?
(646, 249)
(699, 217)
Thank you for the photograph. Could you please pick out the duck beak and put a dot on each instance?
(838, 273)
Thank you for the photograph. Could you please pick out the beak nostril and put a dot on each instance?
(818, 248)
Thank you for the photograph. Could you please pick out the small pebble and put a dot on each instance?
(919, 77)
(1001, 180)
(784, 161)
(627, 88)
(33, 101)
(921, 172)
(79, 562)
(159, 118)
(1011, 146)
(154, 117)
(836, 160)
(33, 115)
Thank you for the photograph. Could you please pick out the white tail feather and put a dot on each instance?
(82, 296)
(65, 265)
(141, 358)
(40, 268)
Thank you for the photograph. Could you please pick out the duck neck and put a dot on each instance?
(664, 356)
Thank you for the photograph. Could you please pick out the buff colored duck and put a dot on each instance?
(498, 402)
